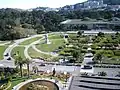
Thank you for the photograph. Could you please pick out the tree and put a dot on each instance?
(99, 57)
(20, 61)
(83, 27)
(100, 34)
(39, 28)
(80, 33)
(27, 61)
(77, 55)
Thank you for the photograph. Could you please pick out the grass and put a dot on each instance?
(27, 42)
(112, 61)
(2, 42)
(35, 54)
(2, 49)
(55, 43)
(18, 50)
(17, 81)
(72, 35)
(57, 36)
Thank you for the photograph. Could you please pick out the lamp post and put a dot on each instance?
(65, 73)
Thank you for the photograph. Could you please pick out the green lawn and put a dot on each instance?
(17, 81)
(20, 51)
(115, 61)
(55, 43)
(2, 42)
(53, 36)
(35, 54)
(2, 49)
(27, 42)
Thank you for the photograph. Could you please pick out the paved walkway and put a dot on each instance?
(37, 50)
(30, 45)
(88, 59)
(2, 44)
(48, 53)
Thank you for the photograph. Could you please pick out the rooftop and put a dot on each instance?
(79, 21)
(86, 83)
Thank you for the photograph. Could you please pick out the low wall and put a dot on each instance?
(45, 82)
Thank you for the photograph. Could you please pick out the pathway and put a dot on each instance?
(2, 44)
(87, 59)
(36, 49)
(48, 53)
(30, 45)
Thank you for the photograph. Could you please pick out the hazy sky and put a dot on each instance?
(26, 4)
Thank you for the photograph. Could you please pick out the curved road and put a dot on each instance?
(17, 42)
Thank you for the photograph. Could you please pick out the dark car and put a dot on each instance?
(6, 54)
(42, 64)
(9, 58)
(86, 67)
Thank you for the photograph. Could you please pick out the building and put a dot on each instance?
(94, 4)
(91, 27)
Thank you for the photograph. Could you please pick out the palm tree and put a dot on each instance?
(28, 61)
(19, 62)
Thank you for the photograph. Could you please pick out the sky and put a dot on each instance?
(27, 4)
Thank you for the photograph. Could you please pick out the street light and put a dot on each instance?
(65, 73)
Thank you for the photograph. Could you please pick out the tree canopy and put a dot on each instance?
(15, 24)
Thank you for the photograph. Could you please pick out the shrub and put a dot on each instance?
(102, 73)
(116, 52)
(85, 47)
(100, 34)
(84, 74)
(94, 46)
(93, 52)
(62, 53)
(83, 51)
(109, 52)
(60, 47)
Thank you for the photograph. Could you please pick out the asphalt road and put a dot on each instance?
(10, 63)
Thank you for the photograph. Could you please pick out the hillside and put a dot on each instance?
(112, 2)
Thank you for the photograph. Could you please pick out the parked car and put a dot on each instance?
(6, 54)
(86, 67)
(42, 64)
(9, 58)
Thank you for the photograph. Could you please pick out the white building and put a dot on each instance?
(94, 4)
